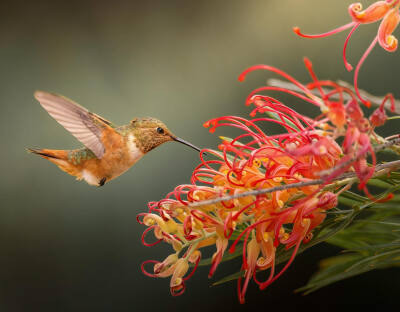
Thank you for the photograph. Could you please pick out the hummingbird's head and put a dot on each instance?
(151, 132)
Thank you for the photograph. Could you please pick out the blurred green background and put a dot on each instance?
(67, 246)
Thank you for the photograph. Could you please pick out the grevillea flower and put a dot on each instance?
(385, 11)
(306, 150)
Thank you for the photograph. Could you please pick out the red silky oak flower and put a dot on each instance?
(306, 149)
(387, 11)
(262, 162)
(253, 251)
(221, 244)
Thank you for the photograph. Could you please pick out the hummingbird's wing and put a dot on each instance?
(87, 127)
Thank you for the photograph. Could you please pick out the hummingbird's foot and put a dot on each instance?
(102, 181)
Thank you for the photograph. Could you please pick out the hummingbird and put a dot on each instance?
(108, 150)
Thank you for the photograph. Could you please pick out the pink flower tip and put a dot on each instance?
(242, 77)
(298, 32)
(307, 62)
(387, 198)
(206, 124)
(348, 66)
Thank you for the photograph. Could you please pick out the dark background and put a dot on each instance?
(67, 246)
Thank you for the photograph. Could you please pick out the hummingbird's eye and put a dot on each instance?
(160, 130)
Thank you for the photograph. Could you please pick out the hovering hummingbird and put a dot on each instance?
(109, 150)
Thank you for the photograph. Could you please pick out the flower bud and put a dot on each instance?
(388, 25)
(328, 200)
(181, 268)
(373, 13)
(378, 117)
(195, 256)
(167, 263)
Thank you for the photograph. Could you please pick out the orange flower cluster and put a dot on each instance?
(255, 161)
(385, 11)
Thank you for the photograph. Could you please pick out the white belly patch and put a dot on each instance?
(89, 178)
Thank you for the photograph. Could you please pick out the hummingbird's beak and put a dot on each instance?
(186, 143)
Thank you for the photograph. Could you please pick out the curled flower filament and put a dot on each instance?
(385, 11)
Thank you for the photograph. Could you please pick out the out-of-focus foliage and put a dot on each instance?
(371, 242)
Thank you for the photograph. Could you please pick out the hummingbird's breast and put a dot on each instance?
(133, 150)
(121, 153)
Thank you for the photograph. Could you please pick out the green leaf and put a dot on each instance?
(354, 196)
(229, 278)
(347, 201)
(288, 122)
(227, 256)
(371, 242)
(344, 266)
(379, 183)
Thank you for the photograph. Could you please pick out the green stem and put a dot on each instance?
(393, 117)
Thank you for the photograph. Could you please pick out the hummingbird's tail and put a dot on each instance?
(58, 157)
(50, 154)
(46, 153)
